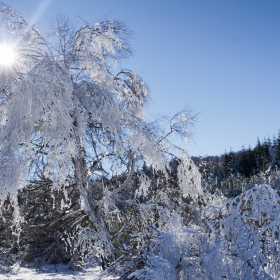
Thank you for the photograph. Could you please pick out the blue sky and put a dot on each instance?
(222, 58)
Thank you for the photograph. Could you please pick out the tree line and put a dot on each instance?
(248, 162)
(244, 166)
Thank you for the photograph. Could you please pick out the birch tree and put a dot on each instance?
(68, 119)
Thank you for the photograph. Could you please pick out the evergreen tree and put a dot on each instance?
(266, 153)
(229, 163)
(258, 155)
(278, 149)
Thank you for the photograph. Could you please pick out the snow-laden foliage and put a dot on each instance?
(189, 178)
(69, 122)
(237, 238)
(65, 97)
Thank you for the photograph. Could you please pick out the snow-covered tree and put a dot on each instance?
(70, 122)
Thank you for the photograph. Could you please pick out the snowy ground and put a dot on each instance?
(52, 272)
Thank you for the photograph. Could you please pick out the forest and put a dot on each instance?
(247, 166)
(87, 181)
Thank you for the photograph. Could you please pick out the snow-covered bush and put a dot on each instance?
(237, 239)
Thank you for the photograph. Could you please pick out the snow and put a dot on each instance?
(54, 272)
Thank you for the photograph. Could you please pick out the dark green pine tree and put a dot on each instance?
(226, 163)
(277, 149)
(229, 163)
(247, 163)
(266, 153)
(242, 160)
(252, 166)
(258, 156)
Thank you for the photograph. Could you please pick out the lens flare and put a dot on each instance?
(8, 55)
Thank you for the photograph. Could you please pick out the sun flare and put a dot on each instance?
(8, 55)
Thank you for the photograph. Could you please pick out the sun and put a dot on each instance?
(8, 55)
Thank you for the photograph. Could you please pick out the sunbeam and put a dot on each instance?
(40, 11)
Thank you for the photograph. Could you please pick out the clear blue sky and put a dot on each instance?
(220, 57)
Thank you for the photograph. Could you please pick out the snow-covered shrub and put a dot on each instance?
(237, 239)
